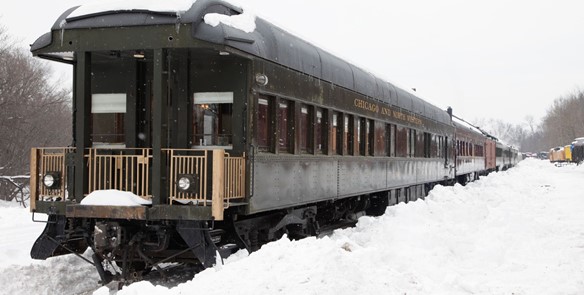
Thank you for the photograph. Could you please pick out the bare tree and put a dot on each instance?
(564, 120)
(33, 111)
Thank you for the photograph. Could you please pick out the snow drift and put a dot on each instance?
(513, 232)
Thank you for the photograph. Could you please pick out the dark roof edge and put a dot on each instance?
(268, 42)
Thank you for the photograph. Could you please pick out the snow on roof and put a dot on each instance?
(466, 124)
(114, 198)
(244, 22)
(129, 5)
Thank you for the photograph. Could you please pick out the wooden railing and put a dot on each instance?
(48, 160)
(234, 177)
(120, 169)
(188, 162)
(219, 176)
(196, 163)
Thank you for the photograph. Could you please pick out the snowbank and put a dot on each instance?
(18, 233)
(514, 232)
(20, 274)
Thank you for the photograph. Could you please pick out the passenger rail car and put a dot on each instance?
(507, 156)
(236, 138)
(474, 155)
(578, 150)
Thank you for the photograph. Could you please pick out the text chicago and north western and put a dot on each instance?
(373, 107)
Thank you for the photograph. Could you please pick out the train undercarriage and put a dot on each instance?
(126, 250)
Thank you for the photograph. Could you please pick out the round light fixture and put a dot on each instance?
(261, 79)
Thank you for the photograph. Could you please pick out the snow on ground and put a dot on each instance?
(514, 232)
(20, 274)
(17, 233)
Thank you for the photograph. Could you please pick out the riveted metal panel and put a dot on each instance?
(276, 181)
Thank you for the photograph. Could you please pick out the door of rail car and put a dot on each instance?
(121, 84)
(217, 86)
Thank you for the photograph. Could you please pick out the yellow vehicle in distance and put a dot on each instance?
(557, 155)
(568, 153)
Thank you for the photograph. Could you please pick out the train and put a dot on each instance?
(572, 153)
(230, 137)
(578, 150)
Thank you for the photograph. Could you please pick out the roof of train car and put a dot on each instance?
(578, 141)
(462, 127)
(267, 41)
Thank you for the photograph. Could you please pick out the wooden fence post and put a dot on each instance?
(218, 184)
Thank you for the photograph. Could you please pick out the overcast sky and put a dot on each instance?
(486, 59)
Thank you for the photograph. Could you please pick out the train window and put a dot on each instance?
(401, 141)
(284, 125)
(427, 144)
(380, 138)
(371, 137)
(304, 132)
(320, 137)
(355, 126)
(362, 131)
(212, 124)
(335, 130)
(463, 148)
(461, 143)
(108, 112)
(445, 153)
(264, 121)
(433, 139)
(411, 142)
(439, 142)
(391, 140)
(348, 140)
(420, 144)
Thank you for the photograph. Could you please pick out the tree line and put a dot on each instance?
(34, 111)
(563, 122)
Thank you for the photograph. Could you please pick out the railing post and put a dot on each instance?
(218, 184)
(82, 110)
(159, 128)
(33, 179)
